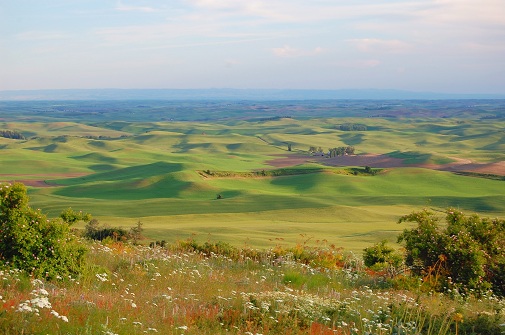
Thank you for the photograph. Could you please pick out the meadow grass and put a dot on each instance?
(129, 289)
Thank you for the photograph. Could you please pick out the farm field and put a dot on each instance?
(241, 172)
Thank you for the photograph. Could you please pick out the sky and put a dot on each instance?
(448, 46)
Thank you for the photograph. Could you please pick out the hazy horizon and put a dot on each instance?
(439, 46)
(234, 95)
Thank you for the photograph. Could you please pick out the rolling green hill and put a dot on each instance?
(122, 170)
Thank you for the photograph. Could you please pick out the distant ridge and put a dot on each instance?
(232, 94)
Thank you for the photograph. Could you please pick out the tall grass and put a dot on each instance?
(190, 288)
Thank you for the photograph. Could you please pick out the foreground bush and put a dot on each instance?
(29, 241)
(467, 253)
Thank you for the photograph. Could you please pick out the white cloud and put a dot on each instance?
(288, 51)
(374, 45)
(484, 12)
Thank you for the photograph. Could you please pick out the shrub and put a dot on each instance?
(467, 253)
(381, 256)
(94, 231)
(31, 242)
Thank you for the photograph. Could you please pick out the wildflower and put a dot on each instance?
(458, 317)
(24, 307)
(102, 277)
(183, 327)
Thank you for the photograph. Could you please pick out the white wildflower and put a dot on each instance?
(102, 277)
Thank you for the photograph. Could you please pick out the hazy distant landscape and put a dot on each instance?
(165, 163)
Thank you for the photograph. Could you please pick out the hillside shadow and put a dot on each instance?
(124, 174)
(352, 139)
(154, 180)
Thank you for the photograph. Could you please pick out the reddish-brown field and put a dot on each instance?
(384, 161)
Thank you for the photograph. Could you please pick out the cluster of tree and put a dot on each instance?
(275, 118)
(96, 231)
(341, 151)
(352, 127)
(333, 152)
(313, 150)
(11, 134)
(104, 137)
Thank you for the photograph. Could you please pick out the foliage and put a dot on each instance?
(136, 232)
(295, 171)
(30, 241)
(12, 134)
(352, 127)
(381, 256)
(466, 254)
(95, 231)
(70, 217)
(341, 151)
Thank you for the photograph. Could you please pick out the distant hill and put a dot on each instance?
(231, 94)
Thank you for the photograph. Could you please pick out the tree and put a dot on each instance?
(136, 232)
(31, 242)
(467, 253)
(11, 134)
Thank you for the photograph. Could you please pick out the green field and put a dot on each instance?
(122, 167)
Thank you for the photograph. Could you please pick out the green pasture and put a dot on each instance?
(344, 209)
(123, 171)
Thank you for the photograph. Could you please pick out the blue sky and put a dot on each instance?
(451, 46)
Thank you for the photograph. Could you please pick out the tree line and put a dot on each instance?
(334, 152)
(11, 134)
(353, 127)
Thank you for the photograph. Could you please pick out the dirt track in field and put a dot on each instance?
(383, 161)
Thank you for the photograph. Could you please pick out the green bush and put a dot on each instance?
(31, 242)
(467, 253)
(113, 233)
(381, 256)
